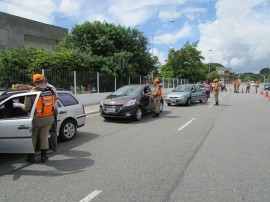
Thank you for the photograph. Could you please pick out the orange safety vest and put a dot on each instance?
(159, 95)
(217, 86)
(45, 104)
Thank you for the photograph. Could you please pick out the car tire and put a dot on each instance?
(188, 103)
(138, 114)
(201, 101)
(68, 130)
(169, 104)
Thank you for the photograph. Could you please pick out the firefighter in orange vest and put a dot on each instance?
(216, 90)
(157, 96)
(43, 118)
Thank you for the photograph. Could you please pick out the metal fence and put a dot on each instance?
(80, 82)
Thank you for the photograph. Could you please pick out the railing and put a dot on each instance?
(80, 82)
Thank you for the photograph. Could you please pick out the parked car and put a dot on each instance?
(185, 94)
(130, 101)
(266, 86)
(16, 124)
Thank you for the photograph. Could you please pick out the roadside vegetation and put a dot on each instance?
(98, 47)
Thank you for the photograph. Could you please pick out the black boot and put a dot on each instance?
(216, 103)
(30, 158)
(44, 157)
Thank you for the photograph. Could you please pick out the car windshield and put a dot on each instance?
(267, 84)
(127, 91)
(183, 88)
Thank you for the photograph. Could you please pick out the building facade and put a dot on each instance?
(20, 32)
(226, 73)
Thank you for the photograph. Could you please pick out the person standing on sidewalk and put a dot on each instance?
(157, 96)
(216, 89)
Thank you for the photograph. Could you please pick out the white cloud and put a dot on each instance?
(170, 38)
(160, 55)
(239, 36)
(70, 7)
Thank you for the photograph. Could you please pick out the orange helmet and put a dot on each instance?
(156, 81)
(215, 80)
(38, 77)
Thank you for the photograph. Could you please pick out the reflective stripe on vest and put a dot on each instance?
(45, 104)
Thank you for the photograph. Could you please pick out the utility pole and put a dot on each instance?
(209, 59)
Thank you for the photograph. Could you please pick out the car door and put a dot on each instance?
(16, 127)
(194, 93)
(200, 93)
(149, 98)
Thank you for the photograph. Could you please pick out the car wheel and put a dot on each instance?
(68, 130)
(138, 114)
(188, 102)
(201, 101)
(169, 104)
(161, 107)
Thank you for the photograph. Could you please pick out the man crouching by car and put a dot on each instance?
(157, 96)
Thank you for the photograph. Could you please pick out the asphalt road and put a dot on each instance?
(197, 153)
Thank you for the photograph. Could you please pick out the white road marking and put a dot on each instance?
(19, 165)
(187, 124)
(210, 105)
(91, 196)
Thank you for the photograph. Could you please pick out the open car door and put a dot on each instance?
(16, 124)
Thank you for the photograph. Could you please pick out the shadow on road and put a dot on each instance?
(73, 161)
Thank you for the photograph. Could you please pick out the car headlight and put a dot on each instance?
(129, 103)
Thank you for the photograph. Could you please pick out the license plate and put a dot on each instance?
(110, 110)
(172, 100)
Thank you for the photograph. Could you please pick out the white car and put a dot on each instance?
(16, 124)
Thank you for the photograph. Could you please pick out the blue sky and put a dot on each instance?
(237, 31)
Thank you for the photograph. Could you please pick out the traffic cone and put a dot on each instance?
(266, 93)
(269, 97)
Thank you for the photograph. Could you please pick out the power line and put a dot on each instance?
(38, 12)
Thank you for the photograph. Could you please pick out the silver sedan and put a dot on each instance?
(185, 94)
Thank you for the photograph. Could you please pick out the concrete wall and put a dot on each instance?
(95, 98)
(16, 32)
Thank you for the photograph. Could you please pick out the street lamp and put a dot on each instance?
(209, 58)
(153, 35)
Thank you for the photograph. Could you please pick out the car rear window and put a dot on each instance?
(67, 99)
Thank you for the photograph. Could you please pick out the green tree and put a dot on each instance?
(185, 63)
(106, 43)
(214, 75)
